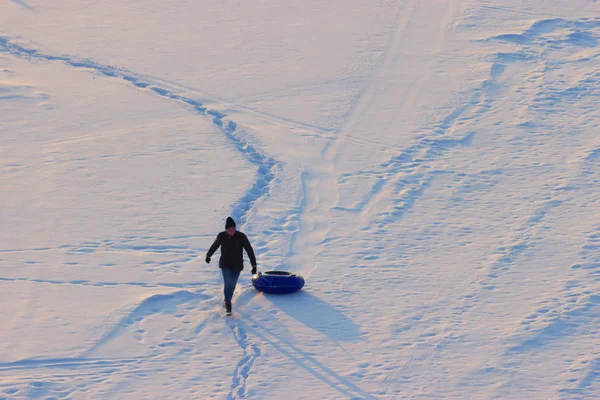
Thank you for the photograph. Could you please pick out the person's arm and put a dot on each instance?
(213, 248)
(250, 251)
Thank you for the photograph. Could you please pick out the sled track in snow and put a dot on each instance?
(243, 141)
(407, 175)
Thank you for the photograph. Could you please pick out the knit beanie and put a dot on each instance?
(229, 223)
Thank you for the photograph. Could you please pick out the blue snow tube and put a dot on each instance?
(277, 282)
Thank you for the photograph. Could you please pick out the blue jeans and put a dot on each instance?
(230, 279)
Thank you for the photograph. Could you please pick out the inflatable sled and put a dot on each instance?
(277, 282)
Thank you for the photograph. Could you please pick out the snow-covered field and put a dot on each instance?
(430, 166)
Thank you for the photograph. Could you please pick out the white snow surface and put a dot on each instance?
(431, 167)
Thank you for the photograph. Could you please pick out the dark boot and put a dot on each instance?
(228, 307)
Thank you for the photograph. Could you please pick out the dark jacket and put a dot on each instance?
(232, 256)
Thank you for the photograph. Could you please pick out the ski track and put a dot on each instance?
(401, 171)
(78, 363)
(176, 255)
(363, 98)
(319, 186)
(81, 282)
(24, 5)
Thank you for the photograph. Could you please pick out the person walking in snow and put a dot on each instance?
(232, 243)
